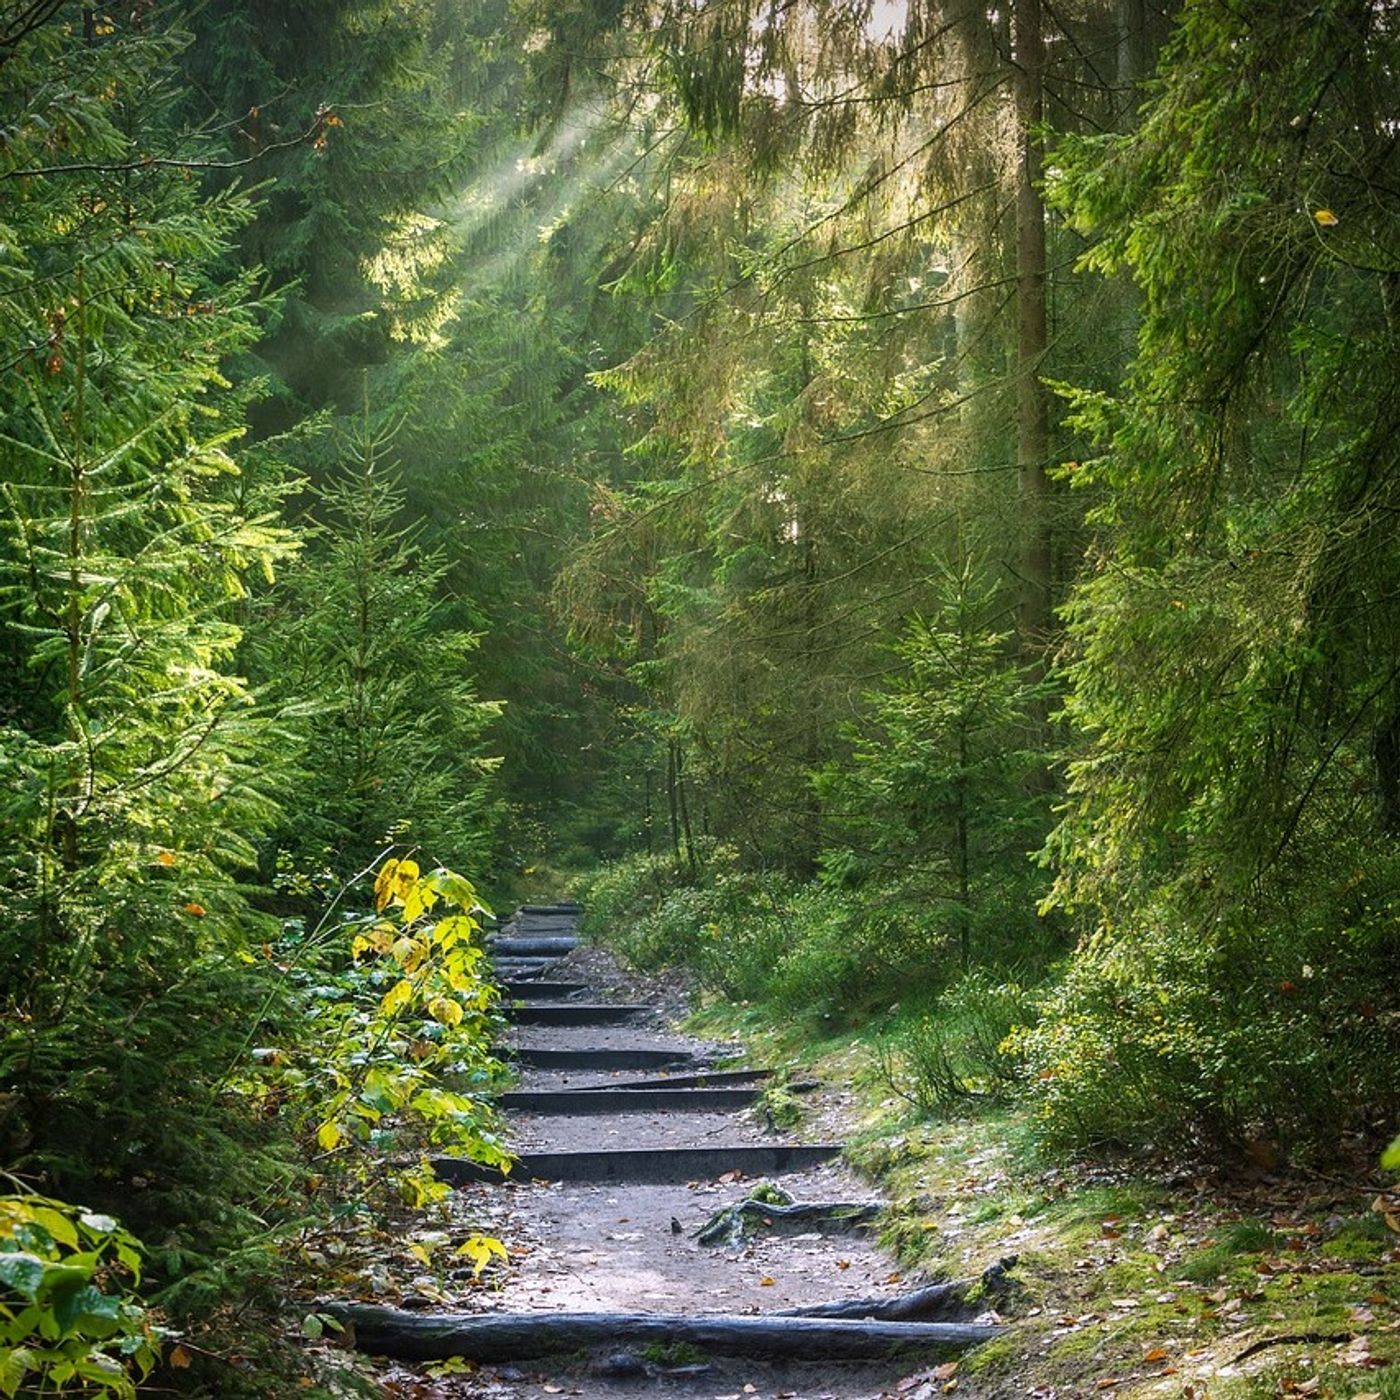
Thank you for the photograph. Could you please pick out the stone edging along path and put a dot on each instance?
(631, 1145)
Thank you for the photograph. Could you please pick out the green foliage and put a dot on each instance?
(1242, 1035)
(360, 643)
(137, 769)
(961, 1051)
(939, 799)
(1229, 840)
(384, 1042)
(808, 951)
(69, 1318)
(343, 226)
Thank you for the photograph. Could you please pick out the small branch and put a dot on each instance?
(312, 133)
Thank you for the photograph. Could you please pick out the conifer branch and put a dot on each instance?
(32, 17)
(313, 133)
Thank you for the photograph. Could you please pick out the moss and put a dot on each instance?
(673, 1354)
(1000, 1354)
(1361, 1237)
(1242, 1238)
(782, 1108)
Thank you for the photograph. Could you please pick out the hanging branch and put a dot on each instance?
(30, 18)
(315, 134)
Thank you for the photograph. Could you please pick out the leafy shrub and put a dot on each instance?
(69, 1319)
(810, 951)
(389, 1031)
(649, 911)
(1215, 1036)
(960, 1051)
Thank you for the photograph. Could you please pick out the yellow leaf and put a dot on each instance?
(412, 904)
(404, 947)
(1326, 218)
(396, 998)
(329, 1135)
(480, 1249)
(384, 883)
(449, 932)
(446, 1010)
(57, 1224)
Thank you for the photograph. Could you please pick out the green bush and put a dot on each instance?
(1217, 1037)
(959, 1052)
(69, 1317)
(811, 952)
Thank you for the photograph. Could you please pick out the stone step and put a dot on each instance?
(708, 1079)
(575, 1103)
(505, 946)
(541, 990)
(518, 969)
(604, 1061)
(654, 1166)
(574, 1013)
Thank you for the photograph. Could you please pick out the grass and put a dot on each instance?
(1134, 1281)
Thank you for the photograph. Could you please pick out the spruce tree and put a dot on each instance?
(935, 803)
(138, 768)
(363, 642)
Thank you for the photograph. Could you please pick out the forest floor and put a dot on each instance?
(1138, 1280)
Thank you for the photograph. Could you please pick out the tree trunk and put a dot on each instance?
(964, 858)
(1032, 336)
(684, 808)
(1133, 49)
(73, 614)
(671, 803)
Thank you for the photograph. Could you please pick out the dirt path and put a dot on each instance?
(618, 1246)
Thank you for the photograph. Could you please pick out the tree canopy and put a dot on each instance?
(890, 502)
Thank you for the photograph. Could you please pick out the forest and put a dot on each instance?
(890, 504)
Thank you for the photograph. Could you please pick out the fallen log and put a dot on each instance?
(731, 1225)
(938, 1300)
(415, 1336)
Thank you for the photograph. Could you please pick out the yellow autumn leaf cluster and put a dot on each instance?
(481, 1249)
(400, 882)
